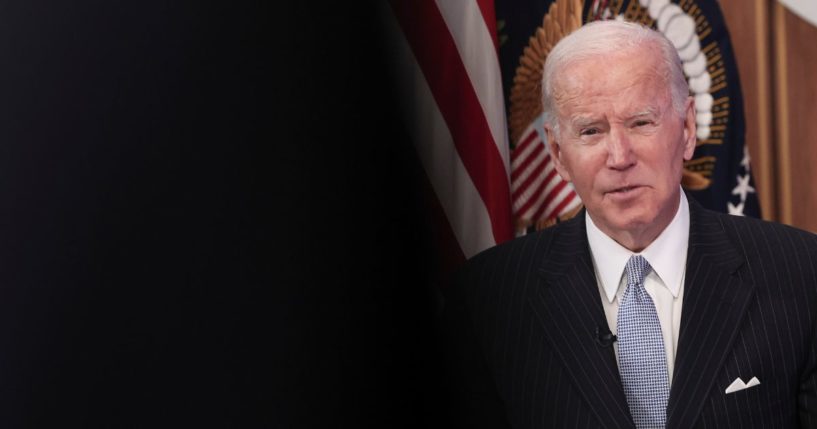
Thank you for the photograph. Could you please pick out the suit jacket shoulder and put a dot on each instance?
(762, 241)
(533, 312)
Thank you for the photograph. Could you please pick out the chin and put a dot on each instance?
(631, 220)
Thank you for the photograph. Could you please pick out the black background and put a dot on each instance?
(208, 217)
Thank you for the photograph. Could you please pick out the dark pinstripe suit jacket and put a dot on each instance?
(531, 307)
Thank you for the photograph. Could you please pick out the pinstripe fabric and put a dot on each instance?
(533, 309)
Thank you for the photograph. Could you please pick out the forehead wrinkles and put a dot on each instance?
(585, 84)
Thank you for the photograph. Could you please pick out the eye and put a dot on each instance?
(589, 131)
(642, 122)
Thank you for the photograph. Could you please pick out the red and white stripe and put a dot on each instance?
(538, 192)
(447, 56)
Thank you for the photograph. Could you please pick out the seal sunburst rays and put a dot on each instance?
(562, 18)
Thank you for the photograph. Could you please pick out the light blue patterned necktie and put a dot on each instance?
(642, 361)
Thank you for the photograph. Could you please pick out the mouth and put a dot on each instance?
(623, 189)
(625, 193)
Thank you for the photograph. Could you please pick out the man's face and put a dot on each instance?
(621, 143)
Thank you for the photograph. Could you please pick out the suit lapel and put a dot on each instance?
(715, 300)
(567, 294)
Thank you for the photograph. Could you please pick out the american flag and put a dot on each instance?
(450, 77)
(539, 193)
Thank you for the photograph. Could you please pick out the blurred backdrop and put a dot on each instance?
(776, 55)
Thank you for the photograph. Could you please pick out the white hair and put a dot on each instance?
(600, 38)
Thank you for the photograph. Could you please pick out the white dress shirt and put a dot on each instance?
(665, 283)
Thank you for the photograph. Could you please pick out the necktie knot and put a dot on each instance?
(637, 268)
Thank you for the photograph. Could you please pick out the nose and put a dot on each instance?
(620, 154)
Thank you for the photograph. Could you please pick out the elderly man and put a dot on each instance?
(645, 310)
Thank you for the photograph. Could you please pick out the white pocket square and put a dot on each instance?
(738, 384)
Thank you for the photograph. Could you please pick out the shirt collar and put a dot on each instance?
(666, 254)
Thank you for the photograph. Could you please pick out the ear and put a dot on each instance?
(690, 129)
(556, 153)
